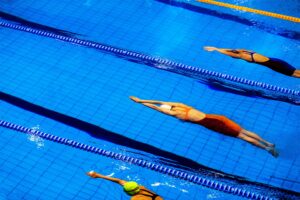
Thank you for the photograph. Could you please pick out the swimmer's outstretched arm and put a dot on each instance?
(155, 101)
(94, 174)
(228, 52)
(160, 109)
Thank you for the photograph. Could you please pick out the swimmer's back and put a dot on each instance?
(146, 194)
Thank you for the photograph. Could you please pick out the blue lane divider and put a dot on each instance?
(262, 88)
(212, 184)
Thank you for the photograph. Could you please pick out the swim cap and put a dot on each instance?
(131, 188)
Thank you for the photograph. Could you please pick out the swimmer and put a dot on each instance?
(213, 122)
(137, 192)
(253, 57)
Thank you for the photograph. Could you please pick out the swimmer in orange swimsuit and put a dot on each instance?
(131, 188)
(214, 122)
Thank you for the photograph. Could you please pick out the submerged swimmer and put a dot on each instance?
(214, 122)
(131, 188)
(250, 56)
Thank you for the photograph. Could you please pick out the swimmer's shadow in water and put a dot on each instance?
(31, 24)
(224, 87)
(219, 86)
(170, 158)
(163, 156)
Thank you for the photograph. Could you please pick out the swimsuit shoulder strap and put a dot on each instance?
(251, 53)
(151, 194)
(252, 57)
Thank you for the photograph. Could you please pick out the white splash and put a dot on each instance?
(121, 167)
(162, 66)
(211, 196)
(156, 184)
(110, 175)
(36, 139)
(172, 186)
(136, 178)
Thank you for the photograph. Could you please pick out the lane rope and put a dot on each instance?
(264, 89)
(212, 184)
(256, 11)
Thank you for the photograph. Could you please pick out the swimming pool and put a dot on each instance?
(93, 86)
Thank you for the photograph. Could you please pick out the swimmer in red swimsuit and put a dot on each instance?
(275, 64)
(214, 122)
(131, 188)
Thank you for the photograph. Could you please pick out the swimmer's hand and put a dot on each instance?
(210, 48)
(135, 99)
(92, 174)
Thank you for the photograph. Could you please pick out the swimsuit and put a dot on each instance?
(276, 65)
(217, 123)
(151, 194)
(279, 66)
(220, 124)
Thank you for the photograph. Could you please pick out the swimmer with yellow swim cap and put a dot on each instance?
(133, 189)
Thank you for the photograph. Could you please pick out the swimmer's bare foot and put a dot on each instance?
(270, 145)
(272, 151)
(133, 98)
(275, 153)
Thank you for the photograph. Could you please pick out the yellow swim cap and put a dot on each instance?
(131, 188)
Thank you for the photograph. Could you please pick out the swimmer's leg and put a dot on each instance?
(257, 143)
(296, 73)
(251, 140)
(138, 100)
(257, 137)
(153, 106)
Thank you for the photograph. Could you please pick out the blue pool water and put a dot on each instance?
(93, 86)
